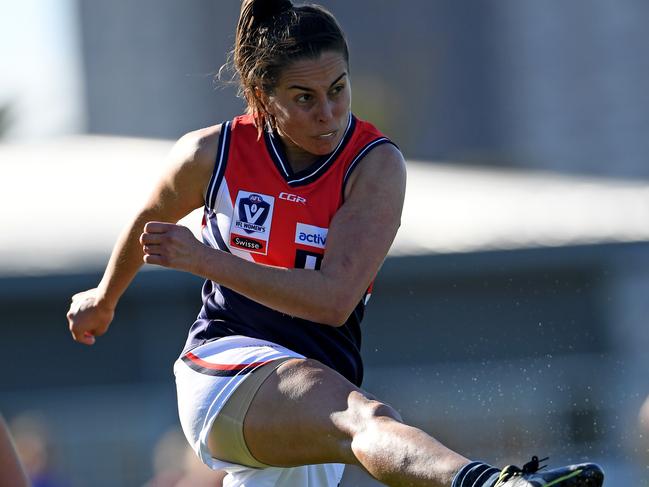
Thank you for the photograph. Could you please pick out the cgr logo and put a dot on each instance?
(292, 197)
(310, 235)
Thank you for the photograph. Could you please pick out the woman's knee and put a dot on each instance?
(372, 421)
(363, 413)
(367, 409)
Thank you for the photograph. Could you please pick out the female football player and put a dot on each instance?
(302, 202)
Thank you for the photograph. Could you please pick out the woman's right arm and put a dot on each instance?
(178, 192)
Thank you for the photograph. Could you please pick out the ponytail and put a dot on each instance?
(255, 17)
(256, 12)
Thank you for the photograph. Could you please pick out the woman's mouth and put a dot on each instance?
(327, 135)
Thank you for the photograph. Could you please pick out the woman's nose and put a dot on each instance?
(325, 111)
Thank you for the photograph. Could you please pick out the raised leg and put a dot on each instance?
(306, 413)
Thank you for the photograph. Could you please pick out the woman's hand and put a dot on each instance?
(172, 246)
(89, 316)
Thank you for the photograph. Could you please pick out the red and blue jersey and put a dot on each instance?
(258, 209)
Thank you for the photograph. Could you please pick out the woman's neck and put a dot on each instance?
(296, 157)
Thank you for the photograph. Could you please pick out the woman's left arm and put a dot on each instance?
(358, 240)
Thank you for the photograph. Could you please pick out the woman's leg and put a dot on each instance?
(306, 413)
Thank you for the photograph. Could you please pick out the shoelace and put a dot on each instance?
(511, 471)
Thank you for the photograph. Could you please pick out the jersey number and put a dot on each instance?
(307, 260)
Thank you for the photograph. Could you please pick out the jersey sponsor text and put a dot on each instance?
(311, 235)
(248, 243)
(292, 197)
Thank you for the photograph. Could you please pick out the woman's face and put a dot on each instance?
(311, 105)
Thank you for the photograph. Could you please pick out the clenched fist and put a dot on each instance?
(172, 246)
(89, 316)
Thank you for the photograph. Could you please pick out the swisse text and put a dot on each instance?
(247, 243)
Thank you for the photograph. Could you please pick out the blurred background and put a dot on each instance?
(510, 318)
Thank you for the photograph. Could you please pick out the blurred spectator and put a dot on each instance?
(176, 465)
(35, 449)
(11, 471)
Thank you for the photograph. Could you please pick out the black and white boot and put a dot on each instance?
(580, 475)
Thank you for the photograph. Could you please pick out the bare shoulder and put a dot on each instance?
(384, 166)
(197, 149)
(191, 161)
(386, 159)
(183, 183)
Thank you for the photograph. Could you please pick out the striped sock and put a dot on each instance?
(476, 474)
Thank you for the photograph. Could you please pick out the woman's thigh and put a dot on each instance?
(306, 413)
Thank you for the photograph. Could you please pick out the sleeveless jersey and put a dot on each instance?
(258, 209)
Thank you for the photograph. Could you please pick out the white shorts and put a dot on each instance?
(205, 378)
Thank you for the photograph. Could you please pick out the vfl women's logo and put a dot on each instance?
(250, 228)
(253, 212)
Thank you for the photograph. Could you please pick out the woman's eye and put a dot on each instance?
(303, 98)
(337, 89)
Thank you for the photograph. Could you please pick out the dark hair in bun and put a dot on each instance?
(271, 34)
